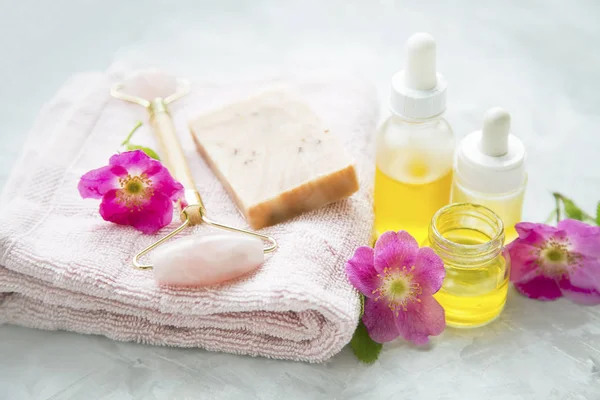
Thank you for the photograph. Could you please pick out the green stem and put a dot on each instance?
(550, 217)
(128, 138)
(557, 197)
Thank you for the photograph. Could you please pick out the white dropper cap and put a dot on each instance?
(491, 160)
(418, 92)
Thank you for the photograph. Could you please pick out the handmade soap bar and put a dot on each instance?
(275, 157)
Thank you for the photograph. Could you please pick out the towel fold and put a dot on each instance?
(63, 268)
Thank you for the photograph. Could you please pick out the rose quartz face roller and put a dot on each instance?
(195, 260)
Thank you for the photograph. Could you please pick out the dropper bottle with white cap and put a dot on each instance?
(415, 145)
(490, 170)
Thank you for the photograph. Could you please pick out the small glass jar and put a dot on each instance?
(470, 238)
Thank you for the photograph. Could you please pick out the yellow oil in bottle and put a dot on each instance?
(510, 233)
(400, 205)
(473, 295)
(507, 206)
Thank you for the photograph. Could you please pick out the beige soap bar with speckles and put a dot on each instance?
(275, 157)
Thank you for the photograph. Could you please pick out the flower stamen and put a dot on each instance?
(398, 288)
(135, 191)
(554, 257)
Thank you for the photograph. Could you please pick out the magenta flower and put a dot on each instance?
(398, 280)
(135, 190)
(549, 262)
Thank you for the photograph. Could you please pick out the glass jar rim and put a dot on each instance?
(488, 248)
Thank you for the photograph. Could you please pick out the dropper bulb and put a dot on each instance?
(494, 136)
(420, 71)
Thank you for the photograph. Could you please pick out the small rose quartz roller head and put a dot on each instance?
(196, 260)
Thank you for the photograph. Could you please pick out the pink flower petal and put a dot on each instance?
(585, 296)
(585, 275)
(135, 162)
(540, 288)
(429, 271)
(96, 182)
(395, 250)
(581, 229)
(532, 233)
(421, 320)
(163, 182)
(114, 211)
(584, 241)
(380, 321)
(523, 258)
(361, 273)
(524, 251)
(155, 214)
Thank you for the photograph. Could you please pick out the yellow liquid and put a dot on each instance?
(510, 234)
(406, 206)
(473, 296)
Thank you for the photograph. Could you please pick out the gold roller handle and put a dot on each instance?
(171, 151)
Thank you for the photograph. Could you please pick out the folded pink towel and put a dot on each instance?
(63, 267)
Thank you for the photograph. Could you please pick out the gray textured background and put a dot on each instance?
(537, 58)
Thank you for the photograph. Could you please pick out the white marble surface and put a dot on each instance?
(538, 58)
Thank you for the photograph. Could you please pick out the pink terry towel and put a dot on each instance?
(63, 268)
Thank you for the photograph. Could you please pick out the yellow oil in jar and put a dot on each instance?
(473, 295)
(409, 206)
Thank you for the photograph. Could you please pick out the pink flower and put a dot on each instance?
(549, 262)
(398, 280)
(135, 190)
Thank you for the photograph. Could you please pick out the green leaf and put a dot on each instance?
(149, 152)
(598, 214)
(571, 210)
(364, 348)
